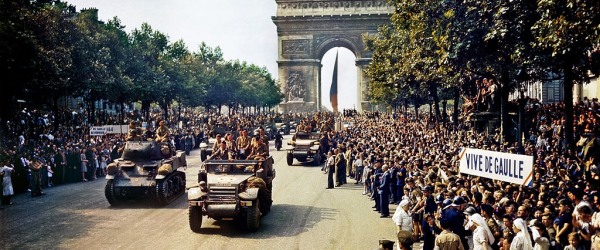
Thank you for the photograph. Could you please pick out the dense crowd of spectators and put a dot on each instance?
(413, 162)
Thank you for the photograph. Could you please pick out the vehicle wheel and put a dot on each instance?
(265, 202)
(109, 192)
(253, 216)
(290, 159)
(195, 217)
(203, 155)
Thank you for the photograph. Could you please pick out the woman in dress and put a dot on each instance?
(521, 241)
(7, 188)
(482, 235)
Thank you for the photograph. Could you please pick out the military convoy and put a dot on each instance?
(305, 146)
(238, 189)
(146, 169)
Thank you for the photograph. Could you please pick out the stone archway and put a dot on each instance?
(307, 29)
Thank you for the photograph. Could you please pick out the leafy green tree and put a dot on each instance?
(566, 31)
(146, 71)
(17, 53)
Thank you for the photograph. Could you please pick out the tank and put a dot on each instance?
(232, 189)
(146, 170)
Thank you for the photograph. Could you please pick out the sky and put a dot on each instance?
(243, 29)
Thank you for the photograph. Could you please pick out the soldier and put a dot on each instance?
(264, 137)
(260, 151)
(222, 153)
(447, 240)
(217, 143)
(133, 134)
(243, 144)
(162, 133)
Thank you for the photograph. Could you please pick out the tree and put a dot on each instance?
(146, 71)
(17, 53)
(566, 31)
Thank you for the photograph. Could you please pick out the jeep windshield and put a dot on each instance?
(307, 136)
(230, 168)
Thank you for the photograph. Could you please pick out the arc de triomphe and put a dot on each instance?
(307, 29)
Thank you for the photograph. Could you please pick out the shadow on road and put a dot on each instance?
(284, 220)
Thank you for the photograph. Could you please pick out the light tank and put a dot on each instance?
(146, 170)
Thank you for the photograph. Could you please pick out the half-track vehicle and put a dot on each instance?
(238, 189)
(304, 147)
(146, 169)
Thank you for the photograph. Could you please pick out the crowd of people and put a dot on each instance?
(413, 163)
(40, 149)
(400, 159)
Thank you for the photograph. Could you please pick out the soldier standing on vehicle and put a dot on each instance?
(243, 145)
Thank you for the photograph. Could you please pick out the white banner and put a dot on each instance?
(506, 167)
(97, 131)
(108, 129)
(116, 129)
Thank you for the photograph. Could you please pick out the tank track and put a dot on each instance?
(170, 188)
(109, 192)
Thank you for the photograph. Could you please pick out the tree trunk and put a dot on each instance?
(165, 107)
(122, 113)
(569, 132)
(55, 110)
(146, 110)
(455, 113)
(505, 124)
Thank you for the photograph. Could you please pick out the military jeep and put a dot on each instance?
(237, 189)
(304, 147)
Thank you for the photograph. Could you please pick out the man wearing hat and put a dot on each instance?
(454, 214)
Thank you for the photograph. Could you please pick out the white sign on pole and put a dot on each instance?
(116, 129)
(506, 167)
(97, 131)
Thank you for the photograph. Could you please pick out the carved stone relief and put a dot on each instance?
(299, 46)
(295, 90)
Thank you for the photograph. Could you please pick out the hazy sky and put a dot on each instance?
(243, 29)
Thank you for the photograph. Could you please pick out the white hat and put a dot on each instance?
(403, 203)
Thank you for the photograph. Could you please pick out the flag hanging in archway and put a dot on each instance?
(333, 90)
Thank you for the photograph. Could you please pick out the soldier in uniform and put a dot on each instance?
(260, 151)
(447, 240)
(264, 137)
(217, 143)
(243, 144)
(133, 134)
(163, 132)
(222, 153)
